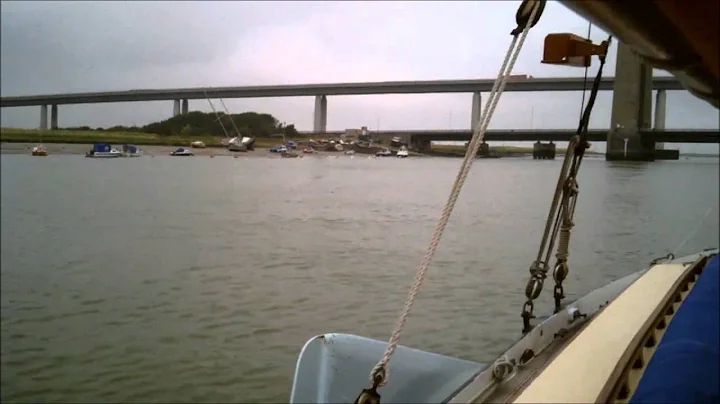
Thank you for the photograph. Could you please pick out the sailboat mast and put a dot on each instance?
(217, 116)
(232, 121)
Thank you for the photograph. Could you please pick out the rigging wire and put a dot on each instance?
(693, 231)
(582, 103)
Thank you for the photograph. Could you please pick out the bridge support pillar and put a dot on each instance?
(54, 117)
(420, 145)
(184, 106)
(43, 117)
(320, 116)
(476, 112)
(176, 107)
(660, 110)
(631, 109)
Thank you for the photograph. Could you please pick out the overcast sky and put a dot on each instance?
(62, 47)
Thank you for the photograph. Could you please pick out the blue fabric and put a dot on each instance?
(101, 147)
(684, 368)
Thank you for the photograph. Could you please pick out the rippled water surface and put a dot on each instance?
(186, 280)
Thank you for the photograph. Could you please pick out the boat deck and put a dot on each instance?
(684, 367)
(657, 342)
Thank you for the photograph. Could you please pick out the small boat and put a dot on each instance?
(248, 142)
(308, 150)
(237, 147)
(338, 147)
(197, 145)
(289, 155)
(290, 144)
(130, 150)
(103, 150)
(182, 152)
(350, 152)
(403, 152)
(384, 153)
(278, 149)
(39, 150)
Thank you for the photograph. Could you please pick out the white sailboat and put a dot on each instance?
(649, 337)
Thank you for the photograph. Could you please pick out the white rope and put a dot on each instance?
(381, 369)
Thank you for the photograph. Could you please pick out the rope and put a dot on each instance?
(380, 373)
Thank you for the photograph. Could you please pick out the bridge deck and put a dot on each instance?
(300, 90)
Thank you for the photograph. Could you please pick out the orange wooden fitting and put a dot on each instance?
(570, 49)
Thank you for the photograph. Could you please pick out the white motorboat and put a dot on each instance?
(103, 150)
(182, 152)
(403, 152)
(197, 144)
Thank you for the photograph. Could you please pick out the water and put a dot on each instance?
(199, 280)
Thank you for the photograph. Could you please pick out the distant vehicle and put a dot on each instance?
(384, 153)
(290, 144)
(520, 76)
(278, 149)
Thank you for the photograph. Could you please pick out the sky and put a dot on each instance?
(65, 47)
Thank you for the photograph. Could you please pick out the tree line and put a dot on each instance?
(197, 123)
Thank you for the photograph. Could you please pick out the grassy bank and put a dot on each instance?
(14, 135)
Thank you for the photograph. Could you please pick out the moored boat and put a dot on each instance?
(403, 152)
(130, 150)
(182, 152)
(103, 150)
(39, 150)
(288, 154)
(198, 144)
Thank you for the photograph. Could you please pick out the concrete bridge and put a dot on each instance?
(181, 97)
(630, 121)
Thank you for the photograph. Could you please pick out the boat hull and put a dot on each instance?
(103, 155)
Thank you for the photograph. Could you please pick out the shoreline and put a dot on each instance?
(147, 150)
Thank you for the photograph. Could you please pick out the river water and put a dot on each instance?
(199, 280)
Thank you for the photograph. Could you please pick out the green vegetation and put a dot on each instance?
(178, 130)
(198, 123)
